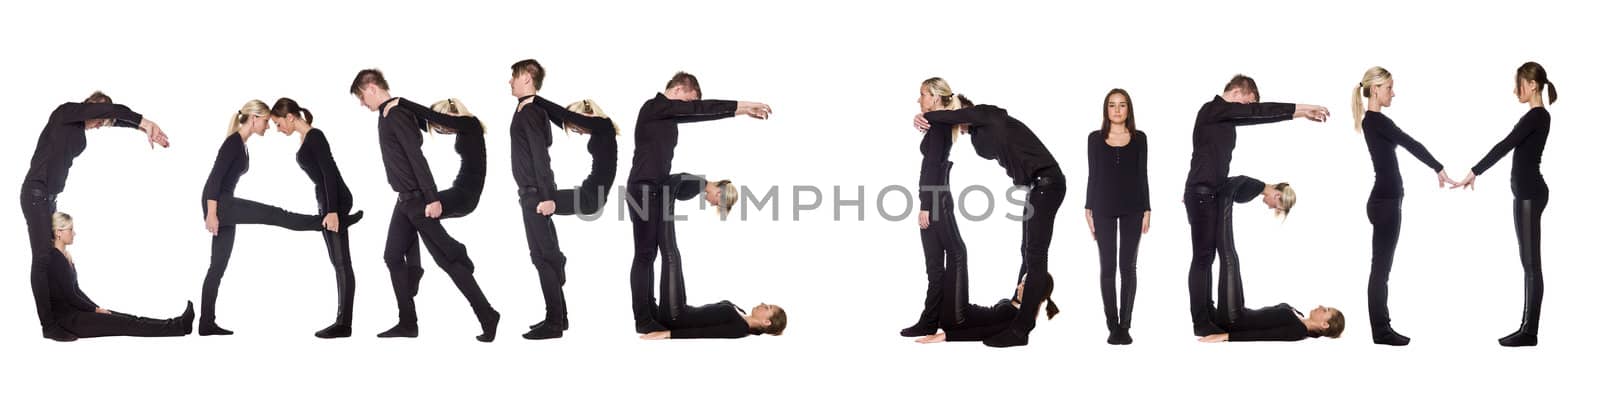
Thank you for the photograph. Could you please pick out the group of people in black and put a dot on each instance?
(1117, 211)
(66, 313)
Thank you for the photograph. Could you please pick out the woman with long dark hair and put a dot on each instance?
(1528, 190)
(1117, 206)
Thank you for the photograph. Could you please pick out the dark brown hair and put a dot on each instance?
(1534, 72)
(780, 321)
(97, 97)
(1244, 83)
(285, 107)
(532, 68)
(686, 80)
(1105, 112)
(368, 76)
(1335, 326)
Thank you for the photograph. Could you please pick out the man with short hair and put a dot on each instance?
(416, 211)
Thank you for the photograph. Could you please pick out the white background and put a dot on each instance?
(842, 79)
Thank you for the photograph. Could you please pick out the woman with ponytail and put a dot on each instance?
(585, 118)
(333, 201)
(450, 117)
(942, 247)
(1528, 190)
(223, 212)
(1371, 95)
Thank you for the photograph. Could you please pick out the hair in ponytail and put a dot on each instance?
(254, 108)
(285, 107)
(452, 107)
(590, 108)
(1533, 71)
(1374, 77)
(948, 99)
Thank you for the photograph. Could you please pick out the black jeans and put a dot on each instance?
(401, 255)
(586, 199)
(653, 231)
(231, 212)
(1106, 234)
(338, 245)
(1201, 207)
(1044, 200)
(544, 249)
(1527, 215)
(1384, 214)
(91, 324)
(37, 210)
(942, 250)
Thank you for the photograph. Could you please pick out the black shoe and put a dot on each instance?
(187, 320)
(334, 331)
(490, 323)
(1206, 329)
(1389, 337)
(350, 220)
(1007, 338)
(545, 330)
(208, 328)
(920, 329)
(1120, 337)
(1520, 339)
(647, 326)
(58, 334)
(401, 330)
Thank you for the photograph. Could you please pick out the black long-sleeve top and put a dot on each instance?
(1240, 189)
(1273, 323)
(1000, 137)
(400, 142)
(685, 186)
(65, 296)
(1528, 138)
(1215, 135)
(935, 173)
(602, 138)
(232, 162)
(1382, 137)
(530, 152)
(316, 159)
(469, 141)
(1119, 182)
(62, 140)
(716, 320)
(655, 134)
(982, 322)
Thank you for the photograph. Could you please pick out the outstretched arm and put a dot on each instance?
(560, 116)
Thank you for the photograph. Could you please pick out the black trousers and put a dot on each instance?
(586, 199)
(544, 249)
(338, 245)
(91, 324)
(1527, 215)
(1107, 230)
(407, 227)
(653, 232)
(1230, 285)
(942, 250)
(37, 210)
(1384, 214)
(231, 212)
(1044, 200)
(1201, 208)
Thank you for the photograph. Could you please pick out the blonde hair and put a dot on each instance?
(61, 221)
(1285, 201)
(948, 99)
(589, 107)
(1375, 76)
(730, 196)
(454, 107)
(253, 108)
